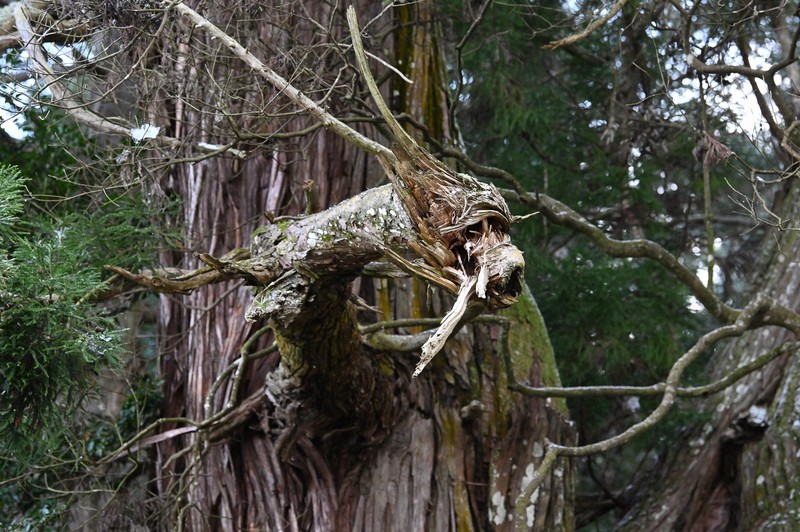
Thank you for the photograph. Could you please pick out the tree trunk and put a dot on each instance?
(737, 469)
(348, 441)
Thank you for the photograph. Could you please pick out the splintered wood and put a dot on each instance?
(462, 224)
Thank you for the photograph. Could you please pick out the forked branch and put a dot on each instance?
(750, 318)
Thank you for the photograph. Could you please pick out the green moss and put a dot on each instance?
(528, 342)
(259, 230)
(452, 445)
(386, 365)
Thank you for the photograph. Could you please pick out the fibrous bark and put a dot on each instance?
(329, 433)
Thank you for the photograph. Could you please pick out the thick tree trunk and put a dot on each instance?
(738, 469)
(324, 446)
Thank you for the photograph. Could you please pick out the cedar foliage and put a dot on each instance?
(58, 229)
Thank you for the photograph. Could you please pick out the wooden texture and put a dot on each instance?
(331, 435)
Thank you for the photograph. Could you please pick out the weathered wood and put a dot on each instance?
(462, 224)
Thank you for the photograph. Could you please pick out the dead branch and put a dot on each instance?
(463, 224)
(460, 225)
(173, 281)
(655, 389)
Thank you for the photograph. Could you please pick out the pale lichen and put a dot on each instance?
(497, 512)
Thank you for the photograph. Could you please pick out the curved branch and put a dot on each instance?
(747, 318)
(572, 39)
(745, 71)
(659, 388)
(560, 214)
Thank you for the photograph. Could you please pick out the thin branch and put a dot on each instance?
(655, 389)
(128, 447)
(182, 282)
(572, 39)
(459, 57)
(284, 86)
(395, 324)
(391, 67)
(745, 321)
(237, 367)
(746, 71)
(358, 47)
(78, 110)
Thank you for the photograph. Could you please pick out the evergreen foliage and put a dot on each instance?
(605, 316)
(53, 337)
(597, 126)
(59, 226)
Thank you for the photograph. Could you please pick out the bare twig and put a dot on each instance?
(277, 81)
(460, 58)
(655, 389)
(572, 39)
(22, 13)
(183, 282)
(759, 305)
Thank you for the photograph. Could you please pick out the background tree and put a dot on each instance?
(643, 129)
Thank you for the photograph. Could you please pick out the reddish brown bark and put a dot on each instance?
(449, 450)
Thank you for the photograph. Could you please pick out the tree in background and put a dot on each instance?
(628, 114)
(675, 123)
